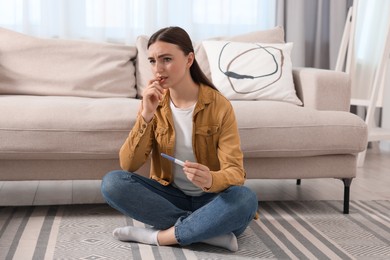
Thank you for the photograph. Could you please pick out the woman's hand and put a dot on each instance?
(198, 174)
(152, 95)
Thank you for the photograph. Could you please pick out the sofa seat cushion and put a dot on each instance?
(279, 129)
(53, 127)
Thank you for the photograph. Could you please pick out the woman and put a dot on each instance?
(183, 115)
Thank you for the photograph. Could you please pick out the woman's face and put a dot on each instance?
(169, 64)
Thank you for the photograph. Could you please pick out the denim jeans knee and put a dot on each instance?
(109, 185)
(246, 205)
(230, 211)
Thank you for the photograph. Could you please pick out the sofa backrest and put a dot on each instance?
(56, 67)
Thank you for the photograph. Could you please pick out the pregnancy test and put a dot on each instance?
(173, 159)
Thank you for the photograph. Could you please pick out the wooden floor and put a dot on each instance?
(372, 183)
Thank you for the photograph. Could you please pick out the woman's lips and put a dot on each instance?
(162, 79)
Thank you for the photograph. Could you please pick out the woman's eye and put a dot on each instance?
(152, 61)
(167, 59)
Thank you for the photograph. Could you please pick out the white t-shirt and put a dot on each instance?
(182, 119)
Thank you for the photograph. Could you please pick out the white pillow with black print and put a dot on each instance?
(252, 71)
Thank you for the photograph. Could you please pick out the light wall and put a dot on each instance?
(386, 107)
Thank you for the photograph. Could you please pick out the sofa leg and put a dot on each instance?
(298, 181)
(347, 183)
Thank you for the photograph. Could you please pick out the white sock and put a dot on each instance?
(136, 234)
(228, 241)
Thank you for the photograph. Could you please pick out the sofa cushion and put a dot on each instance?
(143, 70)
(273, 35)
(34, 127)
(37, 66)
(280, 129)
(252, 71)
(40, 127)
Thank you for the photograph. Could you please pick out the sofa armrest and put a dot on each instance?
(323, 89)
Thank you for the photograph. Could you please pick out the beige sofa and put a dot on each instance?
(67, 106)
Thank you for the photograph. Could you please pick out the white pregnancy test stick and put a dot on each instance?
(173, 159)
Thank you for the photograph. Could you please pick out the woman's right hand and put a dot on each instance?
(152, 95)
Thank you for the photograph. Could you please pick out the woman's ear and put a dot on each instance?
(190, 59)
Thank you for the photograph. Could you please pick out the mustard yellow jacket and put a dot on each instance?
(215, 141)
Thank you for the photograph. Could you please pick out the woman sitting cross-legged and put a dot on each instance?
(183, 115)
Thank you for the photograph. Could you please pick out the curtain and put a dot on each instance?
(123, 20)
(307, 23)
(315, 27)
(370, 34)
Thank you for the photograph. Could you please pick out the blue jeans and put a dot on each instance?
(195, 218)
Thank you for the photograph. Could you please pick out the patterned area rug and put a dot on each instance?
(285, 230)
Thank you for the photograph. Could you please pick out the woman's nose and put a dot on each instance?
(159, 67)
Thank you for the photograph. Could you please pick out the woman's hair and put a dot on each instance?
(178, 36)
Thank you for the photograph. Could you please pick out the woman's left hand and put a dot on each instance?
(198, 174)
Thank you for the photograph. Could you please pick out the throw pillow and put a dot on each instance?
(56, 67)
(143, 70)
(252, 71)
(273, 35)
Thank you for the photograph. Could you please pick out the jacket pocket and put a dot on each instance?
(160, 134)
(207, 139)
(207, 130)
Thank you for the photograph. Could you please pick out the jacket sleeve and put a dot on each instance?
(229, 155)
(138, 145)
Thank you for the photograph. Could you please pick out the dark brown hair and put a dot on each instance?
(178, 36)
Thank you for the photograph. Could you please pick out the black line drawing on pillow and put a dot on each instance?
(240, 75)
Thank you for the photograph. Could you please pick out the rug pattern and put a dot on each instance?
(285, 230)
